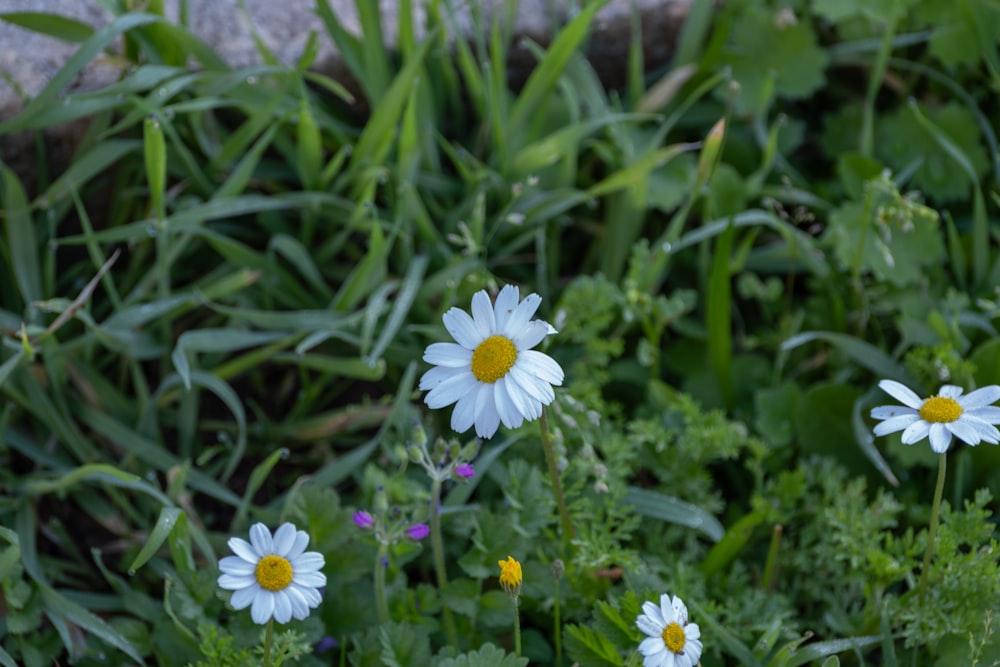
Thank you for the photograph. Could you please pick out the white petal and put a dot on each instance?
(529, 408)
(284, 539)
(260, 538)
(482, 314)
(950, 391)
(940, 438)
(890, 411)
(540, 365)
(980, 397)
(282, 607)
(505, 305)
(301, 542)
(990, 414)
(537, 388)
(464, 414)
(439, 374)
(531, 335)
(987, 432)
(462, 328)
(509, 415)
(649, 625)
(236, 566)
(964, 431)
(894, 424)
(915, 432)
(487, 417)
(692, 631)
(451, 355)
(232, 582)
(651, 646)
(680, 611)
(901, 393)
(521, 315)
(450, 390)
(300, 606)
(313, 579)
(693, 649)
(311, 561)
(263, 607)
(311, 595)
(654, 613)
(244, 550)
(244, 597)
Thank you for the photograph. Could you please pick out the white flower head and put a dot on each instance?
(275, 575)
(490, 372)
(672, 640)
(970, 417)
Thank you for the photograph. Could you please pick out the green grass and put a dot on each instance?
(215, 315)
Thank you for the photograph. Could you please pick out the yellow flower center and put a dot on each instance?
(510, 575)
(273, 573)
(940, 410)
(673, 637)
(493, 358)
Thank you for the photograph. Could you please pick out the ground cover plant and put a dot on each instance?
(443, 368)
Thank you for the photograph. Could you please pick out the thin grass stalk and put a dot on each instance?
(380, 600)
(932, 529)
(437, 545)
(550, 457)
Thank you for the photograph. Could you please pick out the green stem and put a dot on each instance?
(380, 568)
(557, 626)
(550, 457)
(437, 545)
(517, 629)
(267, 642)
(932, 530)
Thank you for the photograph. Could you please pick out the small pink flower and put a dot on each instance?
(418, 531)
(465, 470)
(364, 520)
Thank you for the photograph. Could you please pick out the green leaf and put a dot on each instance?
(214, 340)
(487, 655)
(53, 25)
(590, 648)
(762, 47)
(718, 316)
(161, 530)
(822, 649)
(666, 508)
(21, 238)
(58, 606)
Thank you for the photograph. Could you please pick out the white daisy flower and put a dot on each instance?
(275, 575)
(672, 641)
(970, 417)
(490, 372)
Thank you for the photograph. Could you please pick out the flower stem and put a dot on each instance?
(550, 457)
(380, 568)
(437, 545)
(267, 642)
(517, 628)
(932, 529)
(557, 626)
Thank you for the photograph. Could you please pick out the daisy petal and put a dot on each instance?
(940, 438)
(980, 397)
(540, 365)
(244, 550)
(244, 597)
(282, 607)
(901, 393)
(509, 415)
(915, 432)
(284, 539)
(505, 305)
(301, 542)
(987, 432)
(450, 390)
(263, 607)
(236, 566)
(260, 538)
(950, 391)
(464, 414)
(894, 424)
(655, 613)
(990, 414)
(538, 389)
(531, 335)
(232, 582)
(482, 314)
(487, 417)
(309, 562)
(890, 411)
(451, 355)
(651, 646)
(462, 328)
(964, 431)
(519, 318)
(439, 374)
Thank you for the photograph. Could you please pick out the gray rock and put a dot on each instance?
(30, 60)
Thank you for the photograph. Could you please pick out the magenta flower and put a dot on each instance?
(418, 531)
(364, 520)
(465, 470)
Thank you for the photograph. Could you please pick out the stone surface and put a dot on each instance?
(29, 60)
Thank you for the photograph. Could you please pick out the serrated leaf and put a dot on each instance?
(590, 648)
(488, 655)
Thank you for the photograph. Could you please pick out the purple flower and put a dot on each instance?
(364, 520)
(465, 470)
(326, 643)
(418, 531)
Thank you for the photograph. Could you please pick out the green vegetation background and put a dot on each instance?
(215, 313)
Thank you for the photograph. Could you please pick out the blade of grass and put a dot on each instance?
(718, 315)
(21, 240)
